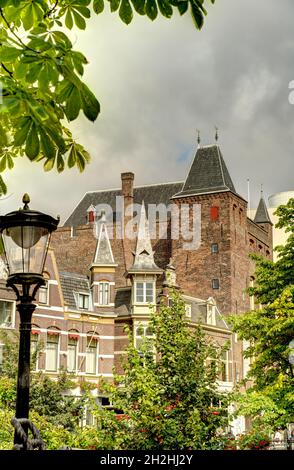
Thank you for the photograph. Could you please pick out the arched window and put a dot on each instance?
(52, 349)
(104, 293)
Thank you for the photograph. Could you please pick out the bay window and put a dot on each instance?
(144, 292)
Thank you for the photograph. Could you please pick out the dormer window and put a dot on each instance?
(83, 301)
(103, 294)
(144, 292)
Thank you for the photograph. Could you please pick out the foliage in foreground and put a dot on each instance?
(270, 400)
(41, 85)
(168, 403)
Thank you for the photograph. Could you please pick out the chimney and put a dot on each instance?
(127, 187)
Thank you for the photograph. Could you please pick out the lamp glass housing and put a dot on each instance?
(25, 248)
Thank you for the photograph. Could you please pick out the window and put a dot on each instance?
(214, 213)
(43, 294)
(72, 348)
(91, 356)
(52, 352)
(251, 297)
(215, 283)
(211, 320)
(143, 332)
(34, 349)
(214, 248)
(225, 370)
(103, 293)
(6, 314)
(144, 292)
(83, 301)
(188, 310)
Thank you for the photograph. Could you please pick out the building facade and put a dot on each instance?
(121, 250)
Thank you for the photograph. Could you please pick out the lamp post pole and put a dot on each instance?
(25, 236)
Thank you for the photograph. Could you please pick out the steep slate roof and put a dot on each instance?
(208, 173)
(262, 215)
(152, 194)
(103, 252)
(144, 255)
(72, 283)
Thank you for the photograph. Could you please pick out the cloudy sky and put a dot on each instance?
(158, 82)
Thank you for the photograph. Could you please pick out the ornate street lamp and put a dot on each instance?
(25, 236)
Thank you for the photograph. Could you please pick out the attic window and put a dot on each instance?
(214, 213)
(215, 283)
(83, 301)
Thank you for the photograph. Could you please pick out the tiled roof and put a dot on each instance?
(262, 215)
(71, 283)
(152, 194)
(208, 173)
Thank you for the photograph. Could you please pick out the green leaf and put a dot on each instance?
(9, 54)
(139, 6)
(165, 8)
(80, 161)
(83, 10)
(61, 38)
(98, 6)
(79, 20)
(28, 17)
(151, 9)
(47, 145)
(197, 14)
(3, 164)
(32, 143)
(68, 19)
(60, 163)
(73, 104)
(33, 73)
(90, 104)
(125, 11)
(10, 162)
(22, 132)
(49, 164)
(72, 157)
(114, 4)
(3, 187)
(183, 7)
(3, 137)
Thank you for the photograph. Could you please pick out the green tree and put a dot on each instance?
(49, 398)
(168, 400)
(41, 74)
(269, 332)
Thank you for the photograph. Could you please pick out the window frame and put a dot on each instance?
(213, 250)
(57, 336)
(102, 292)
(44, 289)
(144, 296)
(89, 346)
(83, 295)
(9, 325)
(214, 282)
(75, 343)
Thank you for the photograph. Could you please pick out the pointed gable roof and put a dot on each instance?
(103, 253)
(208, 173)
(262, 215)
(144, 255)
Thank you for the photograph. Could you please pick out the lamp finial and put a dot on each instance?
(26, 200)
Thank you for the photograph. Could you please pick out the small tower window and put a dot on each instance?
(103, 293)
(214, 248)
(215, 283)
(144, 292)
(214, 213)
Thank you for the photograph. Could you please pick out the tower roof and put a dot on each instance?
(208, 173)
(103, 253)
(144, 255)
(262, 215)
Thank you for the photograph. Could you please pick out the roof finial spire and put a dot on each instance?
(216, 134)
(198, 137)
(261, 190)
